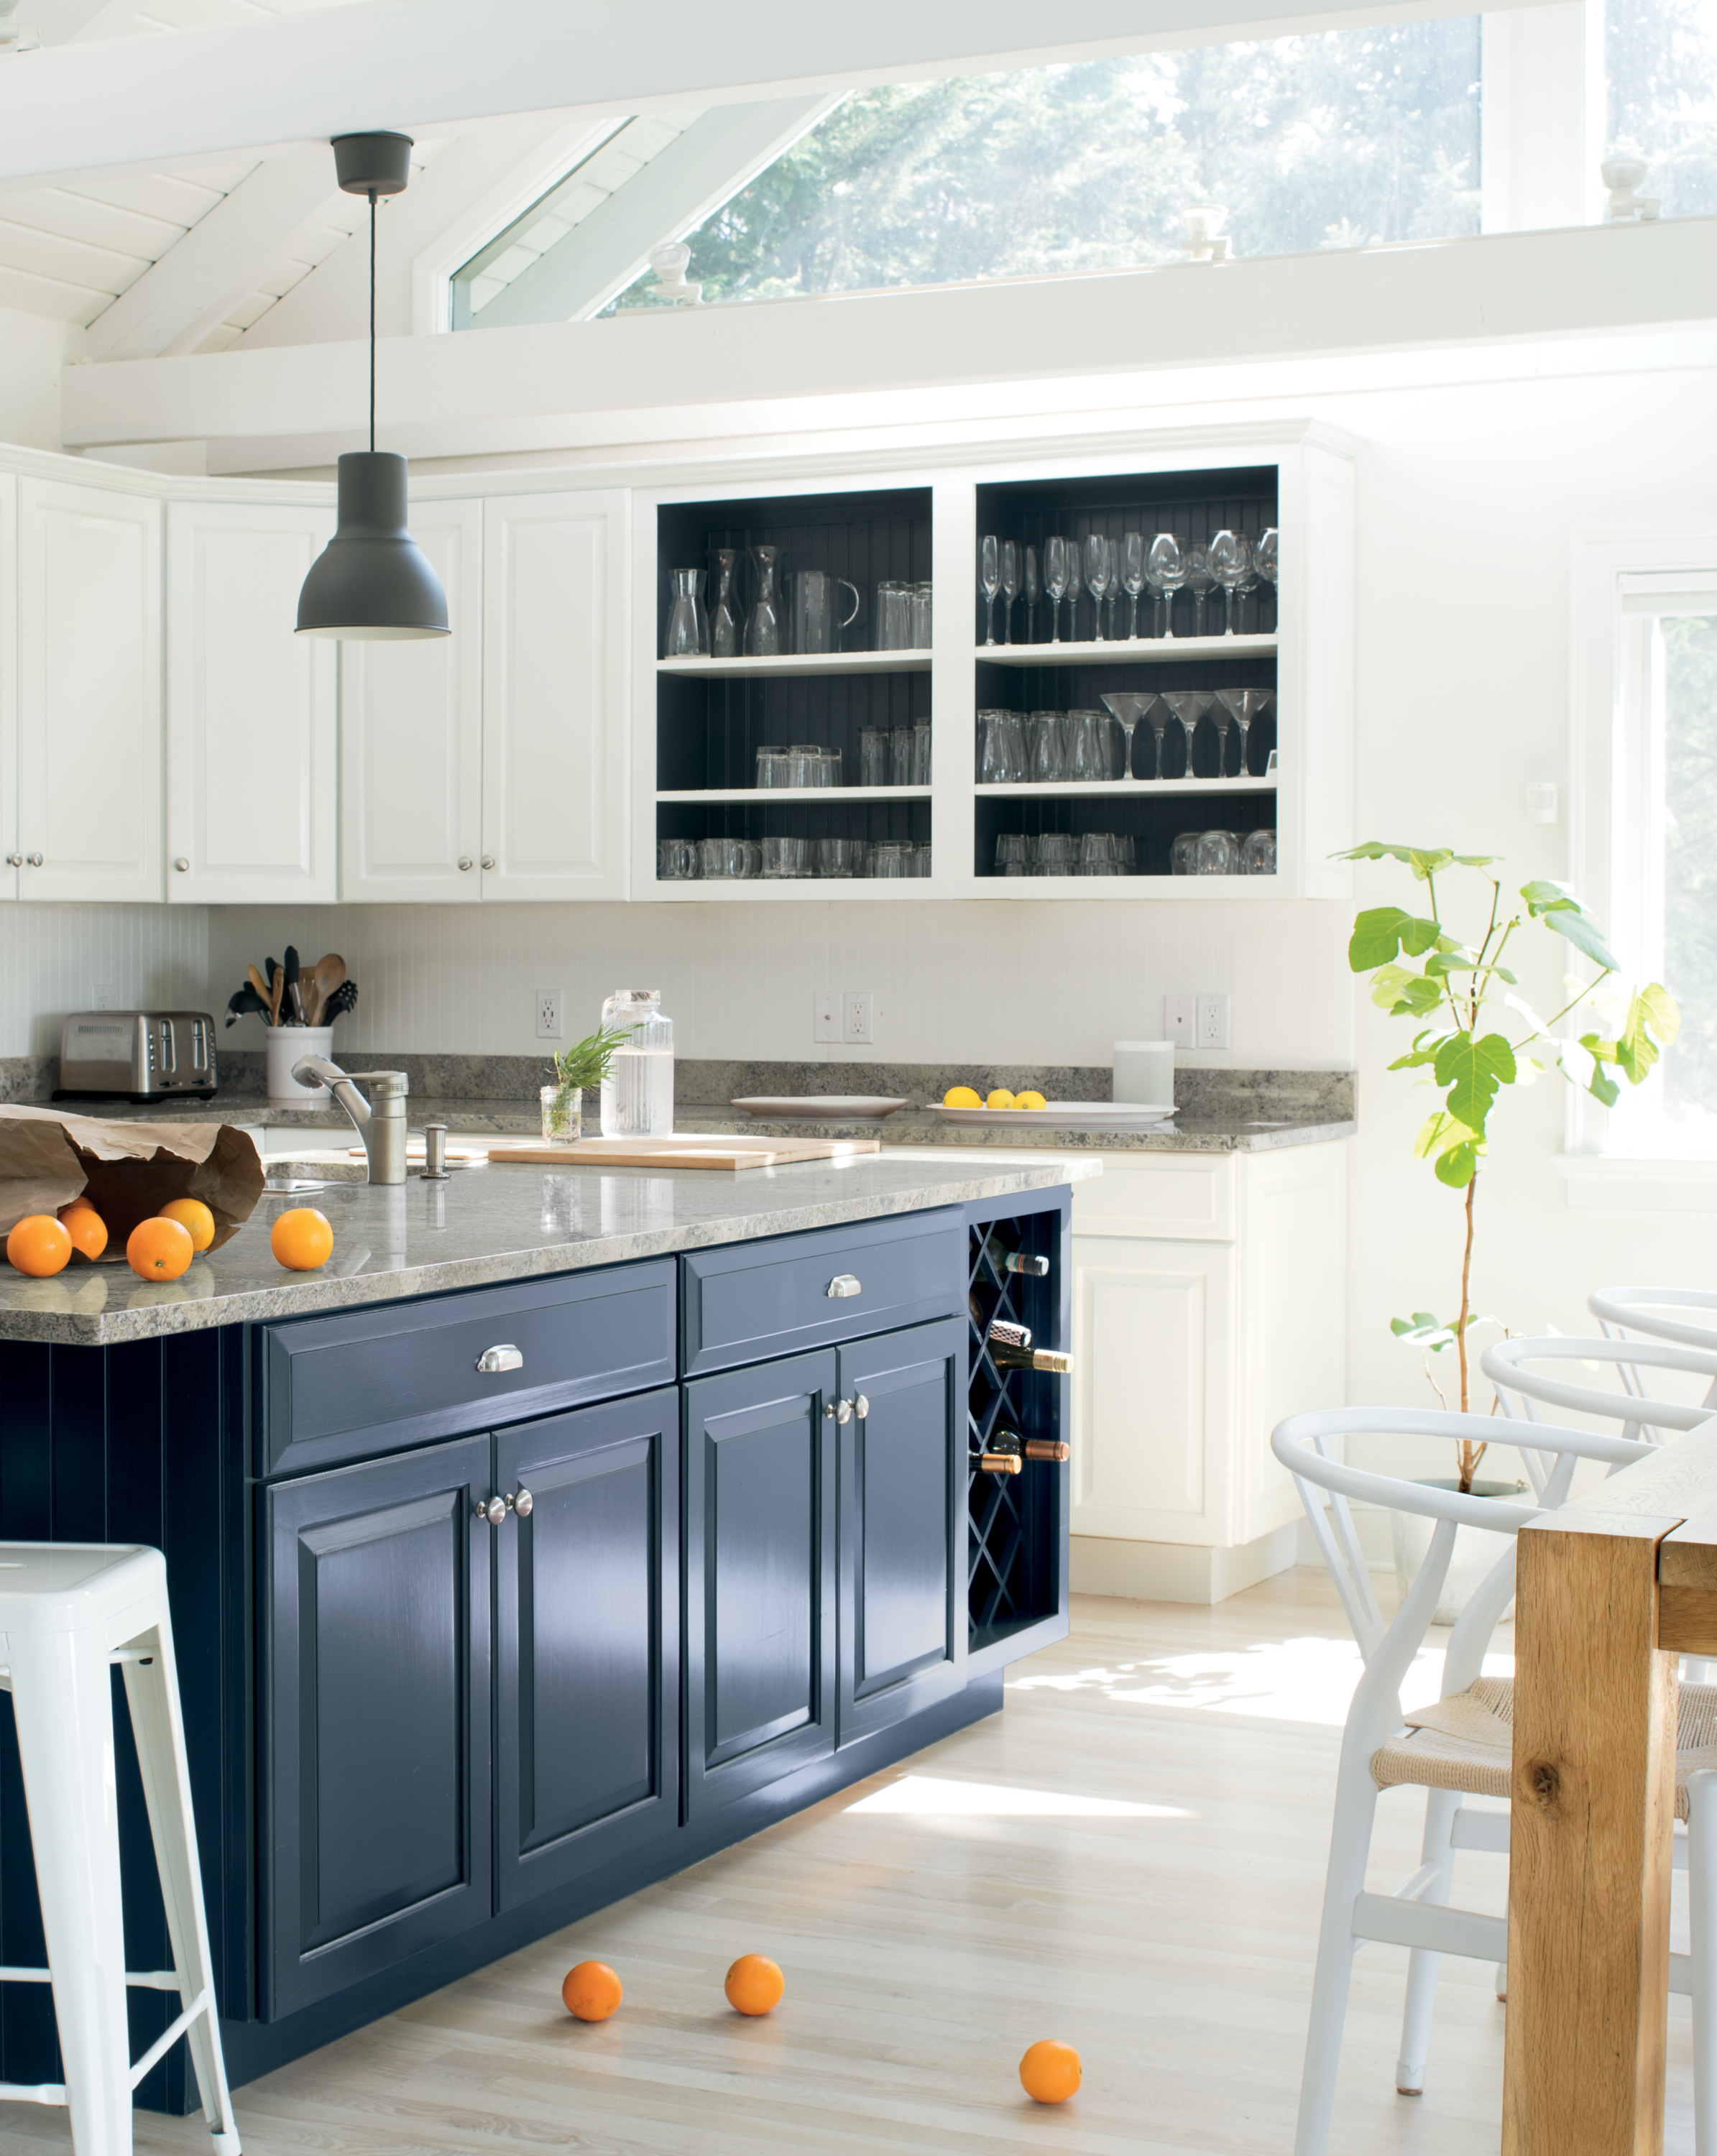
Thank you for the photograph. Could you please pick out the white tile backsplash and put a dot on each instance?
(52, 959)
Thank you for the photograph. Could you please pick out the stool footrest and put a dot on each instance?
(153, 1980)
(40, 2092)
(169, 2036)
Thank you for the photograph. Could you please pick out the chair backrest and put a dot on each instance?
(1521, 1388)
(1620, 1310)
(1302, 1444)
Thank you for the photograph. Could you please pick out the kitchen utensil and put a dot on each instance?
(276, 988)
(327, 975)
(261, 988)
(243, 1001)
(343, 1000)
(294, 1002)
(764, 638)
(284, 1046)
(688, 626)
(1062, 1115)
(725, 625)
(815, 610)
(820, 1108)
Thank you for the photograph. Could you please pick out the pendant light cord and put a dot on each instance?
(373, 321)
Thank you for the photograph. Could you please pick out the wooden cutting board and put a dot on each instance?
(700, 1150)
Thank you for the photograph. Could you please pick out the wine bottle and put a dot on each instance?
(1004, 1334)
(1001, 1463)
(1015, 1261)
(1010, 1444)
(1007, 1357)
(1047, 1448)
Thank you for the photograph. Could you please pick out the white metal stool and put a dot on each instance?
(67, 1611)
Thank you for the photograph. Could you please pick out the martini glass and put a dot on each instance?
(1189, 706)
(1243, 705)
(1129, 710)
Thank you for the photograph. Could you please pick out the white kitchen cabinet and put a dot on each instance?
(555, 720)
(89, 821)
(252, 713)
(9, 856)
(411, 737)
(1209, 1297)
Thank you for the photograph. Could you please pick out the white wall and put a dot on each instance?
(53, 958)
(34, 354)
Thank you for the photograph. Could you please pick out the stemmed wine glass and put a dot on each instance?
(1231, 560)
(1113, 591)
(1096, 576)
(1009, 587)
(1201, 583)
(1133, 576)
(990, 577)
(1165, 572)
(1266, 557)
(1055, 582)
(1189, 706)
(1242, 706)
(1033, 589)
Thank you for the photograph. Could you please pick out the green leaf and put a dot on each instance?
(1417, 1000)
(1457, 1167)
(1454, 960)
(1383, 932)
(1437, 1133)
(1583, 933)
(1474, 1070)
(1413, 1058)
(1543, 896)
(1421, 1322)
(1423, 860)
(1651, 1007)
(1603, 1087)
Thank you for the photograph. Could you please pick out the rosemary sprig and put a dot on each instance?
(586, 1062)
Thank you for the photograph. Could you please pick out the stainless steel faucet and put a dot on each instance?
(379, 1121)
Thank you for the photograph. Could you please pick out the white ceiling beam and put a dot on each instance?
(699, 171)
(59, 21)
(196, 285)
(649, 375)
(247, 89)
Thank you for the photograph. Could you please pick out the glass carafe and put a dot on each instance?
(726, 622)
(637, 1093)
(763, 625)
(688, 626)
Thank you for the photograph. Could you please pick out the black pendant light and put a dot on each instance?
(371, 581)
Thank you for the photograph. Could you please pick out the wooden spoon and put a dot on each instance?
(327, 975)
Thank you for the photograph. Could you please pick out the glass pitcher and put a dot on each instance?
(763, 624)
(637, 1093)
(725, 618)
(688, 625)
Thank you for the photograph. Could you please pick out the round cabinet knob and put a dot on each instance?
(182, 866)
(524, 1504)
(14, 861)
(465, 865)
(861, 1406)
(489, 861)
(33, 859)
(841, 1410)
(494, 1511)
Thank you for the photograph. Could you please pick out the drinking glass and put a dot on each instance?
(1055, 582)
(751, 858)
(1046, 748)
(1189, 706)
(1243, 705)
(1057, 854)
(1129, 710)
(1266, 555)
(1201, 583)
(900, 758)
(873, 756)
(990, 577)
(764, 638)
(1218, 853)
(1097, 854)
(1032, 587)
(922, 596)
(801, 760)
(772, 768)
(1231, 560)
(888, 857)
(921, 859)
(1097, 576)
(895, 627)
(993, 749)
(920, 752)
(688, 627)
(721, 857)
(1087, 747)
(1112, 590)
(1011, 570)
(826, 768)
(1127, 854)
(726, 621)
(1257, 855)
(1013, 854)
(1133, 577)
(1165, 572)
(837, 857)
(676, 860)
(784, 857)
(1183, 855)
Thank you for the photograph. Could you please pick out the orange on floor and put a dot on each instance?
(1049, 2072)
(754, 1984)
(591, 1991)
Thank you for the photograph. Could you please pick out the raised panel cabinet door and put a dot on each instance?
(375, 1730)
(554, 696)
(586, 1640)
(760, 1577)
(411, 737)
(252, 716)
(9, 871)
(902, 1524)
(89, 661)
(1153, 1325)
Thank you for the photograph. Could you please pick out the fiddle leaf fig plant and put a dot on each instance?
(1475, 1036)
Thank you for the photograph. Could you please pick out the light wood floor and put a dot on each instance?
(1129, 1858)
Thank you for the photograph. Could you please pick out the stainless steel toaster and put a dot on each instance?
(136, 1055)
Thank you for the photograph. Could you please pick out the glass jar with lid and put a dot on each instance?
(637, 1093)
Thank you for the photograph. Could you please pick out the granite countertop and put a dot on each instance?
(496, 1225)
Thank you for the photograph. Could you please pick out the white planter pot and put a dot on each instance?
(1476, 1550)
(286, 1044)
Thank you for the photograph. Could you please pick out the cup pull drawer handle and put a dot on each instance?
(507, 1358)
(844, 1283)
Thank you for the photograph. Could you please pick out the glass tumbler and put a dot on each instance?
(676, 860)
(920, 752)
(1087, 745)
(1218, 853)
(888, 857)
(900, 758)
(1057, 854)
(1013, 854)
(1257, 855)
(772, 767)
(1183, 855)
(826, 769)
(784, 857)
(1045, 746)
(802, 764)
(839, 857)
(894, 616)
(921, 617)
(873, 756)
(751, 858)
(721, 857)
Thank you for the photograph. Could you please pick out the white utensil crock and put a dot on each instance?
(286, 1044)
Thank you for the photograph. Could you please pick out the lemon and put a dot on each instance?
(1029, 1100)
(1001, 1098)
(960, 1097)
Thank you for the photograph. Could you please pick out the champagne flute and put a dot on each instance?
(1133, 576)
(1231, 559)
(1009, 587)
(1112, 590)
(1054, 581)
(1097, 577)
(1033, 588)
(990, 577)
(1165, 572)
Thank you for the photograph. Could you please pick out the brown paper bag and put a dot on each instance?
(128, 1170)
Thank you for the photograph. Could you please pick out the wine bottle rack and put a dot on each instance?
(1016, 1524)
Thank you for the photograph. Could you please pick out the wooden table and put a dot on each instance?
(1611, 1590)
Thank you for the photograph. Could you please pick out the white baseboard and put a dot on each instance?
(1179, 1572)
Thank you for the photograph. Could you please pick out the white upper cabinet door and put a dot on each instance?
(252, 722)
(9, 855)
(411, 736)
(88, 727)
(554, 696)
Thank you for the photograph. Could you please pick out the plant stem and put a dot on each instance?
(1469, 1460)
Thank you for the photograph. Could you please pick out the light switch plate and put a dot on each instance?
(551, 1006)
(1179, 1015)
(857, 1015)
(825, 1014)
(1212, 1022)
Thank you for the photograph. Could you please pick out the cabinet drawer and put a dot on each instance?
(750, 1300)
(371, 1381)
(1159, 1194)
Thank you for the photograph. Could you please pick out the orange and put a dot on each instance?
(194, 1217)
(40, 1245)
(302, 1239)
(1049, 2072)
(591, 1991)
(754, 1984)
(158, 1249)
(85, 1226)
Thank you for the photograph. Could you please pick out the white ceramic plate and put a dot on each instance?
(1065, 1114)
(823, 1108)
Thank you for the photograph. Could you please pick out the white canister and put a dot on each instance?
(1144, 1073)
(286, 1044)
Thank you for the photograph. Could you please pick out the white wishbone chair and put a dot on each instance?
(1459, 1747)
(1621, 1310)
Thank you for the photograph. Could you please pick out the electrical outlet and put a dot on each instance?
(1212, 1022)
(825, 1014)
(103, 996)
(856, 1017)
(1178, 1014)
(551, 1005)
